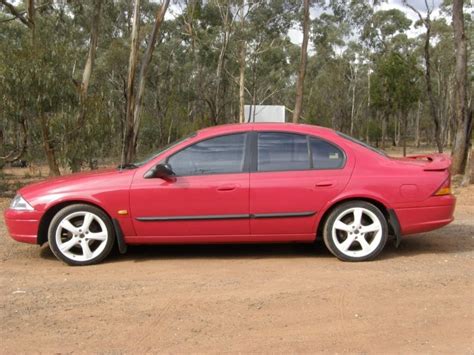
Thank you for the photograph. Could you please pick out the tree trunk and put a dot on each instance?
(86, 76)
(30, 10)
(462, 116)
(396, 133)
(353, 107)
(448, 135)
(469, 171)
(243, 50)
(48, 147)
(219, 71)
(429, 87)
(159, 18)
(132, 68)
(417, 125)
(220, 65)
(384, 129)
(369, 109)
(302, 69)
(75, 160)
(429, 90)
(47, 142)
(20, 149)
(404, 125)
(242, 83)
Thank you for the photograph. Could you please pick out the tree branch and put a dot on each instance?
(16, 13)
(422, 19)
(22, 13)
(11, 157)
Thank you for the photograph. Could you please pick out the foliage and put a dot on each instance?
(362, 66)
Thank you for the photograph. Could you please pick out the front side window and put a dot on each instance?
(219, 155)
(282, 152)
(325, 155)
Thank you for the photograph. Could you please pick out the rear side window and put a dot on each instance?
(282, 151)
(365, 145)
(220, 155)
(325, 155)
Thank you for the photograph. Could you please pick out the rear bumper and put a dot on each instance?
(22, 225)
(434, 213)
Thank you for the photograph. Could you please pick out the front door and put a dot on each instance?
(208, 199)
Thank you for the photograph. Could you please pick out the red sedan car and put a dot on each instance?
(248, 183)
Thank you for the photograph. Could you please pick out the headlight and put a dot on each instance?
(20, 204)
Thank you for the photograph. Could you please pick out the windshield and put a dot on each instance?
(365, 145)
(164, 149)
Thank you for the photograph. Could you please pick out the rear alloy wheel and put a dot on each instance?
(81, 235)
(356, 231)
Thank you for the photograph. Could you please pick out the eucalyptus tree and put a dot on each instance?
(40, 66)
(442, 74)
(74, 153)
(462, 114)
(426, 21)
(134, 100)
(363, 73)
(270, 55)
(302, 66)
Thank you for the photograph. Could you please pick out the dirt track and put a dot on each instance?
(257, 298)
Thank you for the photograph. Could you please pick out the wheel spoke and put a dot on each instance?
(68, 226)
(363, 243)
(342, 226)
(357, 217)
(86, 250)
(374, 227)
(88, 218)
(68, 245)
(345, 245)
(97, 236)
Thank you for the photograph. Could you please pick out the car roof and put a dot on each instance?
(263, 126)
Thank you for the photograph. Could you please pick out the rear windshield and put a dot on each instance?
(365, 145)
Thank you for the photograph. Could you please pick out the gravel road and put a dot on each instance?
(245, 298)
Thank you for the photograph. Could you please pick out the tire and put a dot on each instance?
(355, 231)
(81, 235)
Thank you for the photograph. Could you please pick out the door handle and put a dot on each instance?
(227, 187)
(324, 184)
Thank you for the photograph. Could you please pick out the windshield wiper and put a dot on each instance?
(127, 166)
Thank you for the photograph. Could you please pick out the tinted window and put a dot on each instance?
(325, 155)
(282, 151)
(365, 145)
(164, 149)
(225, 154)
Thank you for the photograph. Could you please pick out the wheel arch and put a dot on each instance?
(389, 214)
(53, 210)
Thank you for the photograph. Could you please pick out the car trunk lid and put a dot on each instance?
(428, 162)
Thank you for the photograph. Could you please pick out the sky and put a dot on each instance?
(296, 36)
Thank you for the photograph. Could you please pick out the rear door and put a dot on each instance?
(292, 178)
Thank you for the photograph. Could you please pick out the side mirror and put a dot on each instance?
(161, 171)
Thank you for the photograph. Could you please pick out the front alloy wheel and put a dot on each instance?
(81, 235)
(356, 231)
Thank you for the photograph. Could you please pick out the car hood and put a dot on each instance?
(78, 183)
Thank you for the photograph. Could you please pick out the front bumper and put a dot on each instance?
(434, 213)
(23, 225)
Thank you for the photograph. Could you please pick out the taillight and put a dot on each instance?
(445, 188)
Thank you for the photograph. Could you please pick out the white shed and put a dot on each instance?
(265, 113)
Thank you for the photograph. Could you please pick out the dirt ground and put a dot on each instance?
(252, 298)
